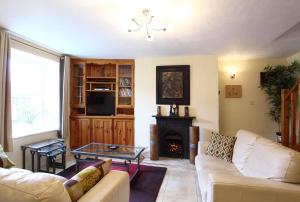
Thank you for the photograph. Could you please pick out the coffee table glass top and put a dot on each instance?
(108, 150)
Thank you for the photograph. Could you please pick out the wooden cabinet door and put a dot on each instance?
(84, 131)
(129, 132)
(102, 131)
(80, 132)
(123, 132)
(74, 133)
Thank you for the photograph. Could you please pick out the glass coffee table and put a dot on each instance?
(97, 150)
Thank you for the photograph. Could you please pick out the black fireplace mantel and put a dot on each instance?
(174, 117)
(178, 125)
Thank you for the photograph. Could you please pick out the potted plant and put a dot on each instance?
(277, 77)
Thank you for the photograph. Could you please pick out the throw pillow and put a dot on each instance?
(5, 162)
(221, 146)
(83, 181)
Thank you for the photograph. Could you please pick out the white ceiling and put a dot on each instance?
(97, 28)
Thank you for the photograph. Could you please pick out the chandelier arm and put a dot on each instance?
(134, 30)
(160, 29)
(136, 23)
(150, 20)
(147, 29)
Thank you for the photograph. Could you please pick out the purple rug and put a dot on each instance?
(143, 188)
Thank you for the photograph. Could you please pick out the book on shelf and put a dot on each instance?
(125, 82)
(125, 92)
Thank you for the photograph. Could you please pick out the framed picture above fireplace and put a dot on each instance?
(173, 84)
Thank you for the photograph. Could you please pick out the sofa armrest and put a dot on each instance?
(223, 187)
(114, 187)
(202, 146)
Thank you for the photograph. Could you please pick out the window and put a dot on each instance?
(34, 93)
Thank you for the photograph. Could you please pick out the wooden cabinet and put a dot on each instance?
(102, 101)
(80, 132)
(123, 132)
(102, 131)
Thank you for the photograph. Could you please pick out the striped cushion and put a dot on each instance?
(5, 162)
(83, 181)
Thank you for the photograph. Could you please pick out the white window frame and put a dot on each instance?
(31, 48)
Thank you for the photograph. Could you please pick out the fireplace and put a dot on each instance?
(172, 144)
(173, 136)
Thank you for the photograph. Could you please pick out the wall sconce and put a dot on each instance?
(232, 73)
(232, 76)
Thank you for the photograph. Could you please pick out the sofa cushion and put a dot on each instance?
(83, 181)
(270, 160)
(5, 162)
(221, 146)
(243, 147)
(20, 185)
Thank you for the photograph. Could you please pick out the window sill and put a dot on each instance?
(30, 135)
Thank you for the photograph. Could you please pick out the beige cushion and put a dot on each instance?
(86, 179)
(18, 185)
(243, 147)
(270, 160)
(5, 162)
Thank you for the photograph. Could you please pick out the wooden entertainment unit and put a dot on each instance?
(110, 119)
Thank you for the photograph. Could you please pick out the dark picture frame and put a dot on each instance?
(173, 84)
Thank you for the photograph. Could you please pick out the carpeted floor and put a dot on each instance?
(143, 188)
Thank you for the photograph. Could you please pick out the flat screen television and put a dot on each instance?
(100, 103)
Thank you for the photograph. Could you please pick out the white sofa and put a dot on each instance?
(18, 185)
(261, 171)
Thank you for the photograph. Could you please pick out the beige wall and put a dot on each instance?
(251, 111)
(203, 87)
(16, 155)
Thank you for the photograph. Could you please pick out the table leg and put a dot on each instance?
(64, 160)
(53, 162)
(47, 163)
(32, 160)
(38, 162)
(138, 164)
(137, 169)
(77, 158)
(128, 165)
(23, 156)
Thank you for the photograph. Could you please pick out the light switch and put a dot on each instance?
(233, 91)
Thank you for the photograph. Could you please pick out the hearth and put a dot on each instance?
(173, 136)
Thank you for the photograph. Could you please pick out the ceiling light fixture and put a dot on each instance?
(146, 22)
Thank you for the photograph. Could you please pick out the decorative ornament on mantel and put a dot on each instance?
(147, 23)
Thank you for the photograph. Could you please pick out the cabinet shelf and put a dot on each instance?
(124, 86)
(101, 91)
(100, 82)
(124, 106)
(100, 77)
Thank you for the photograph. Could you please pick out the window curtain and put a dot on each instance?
(5, 93)
(65, 108)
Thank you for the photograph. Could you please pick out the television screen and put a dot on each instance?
(100, 103)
